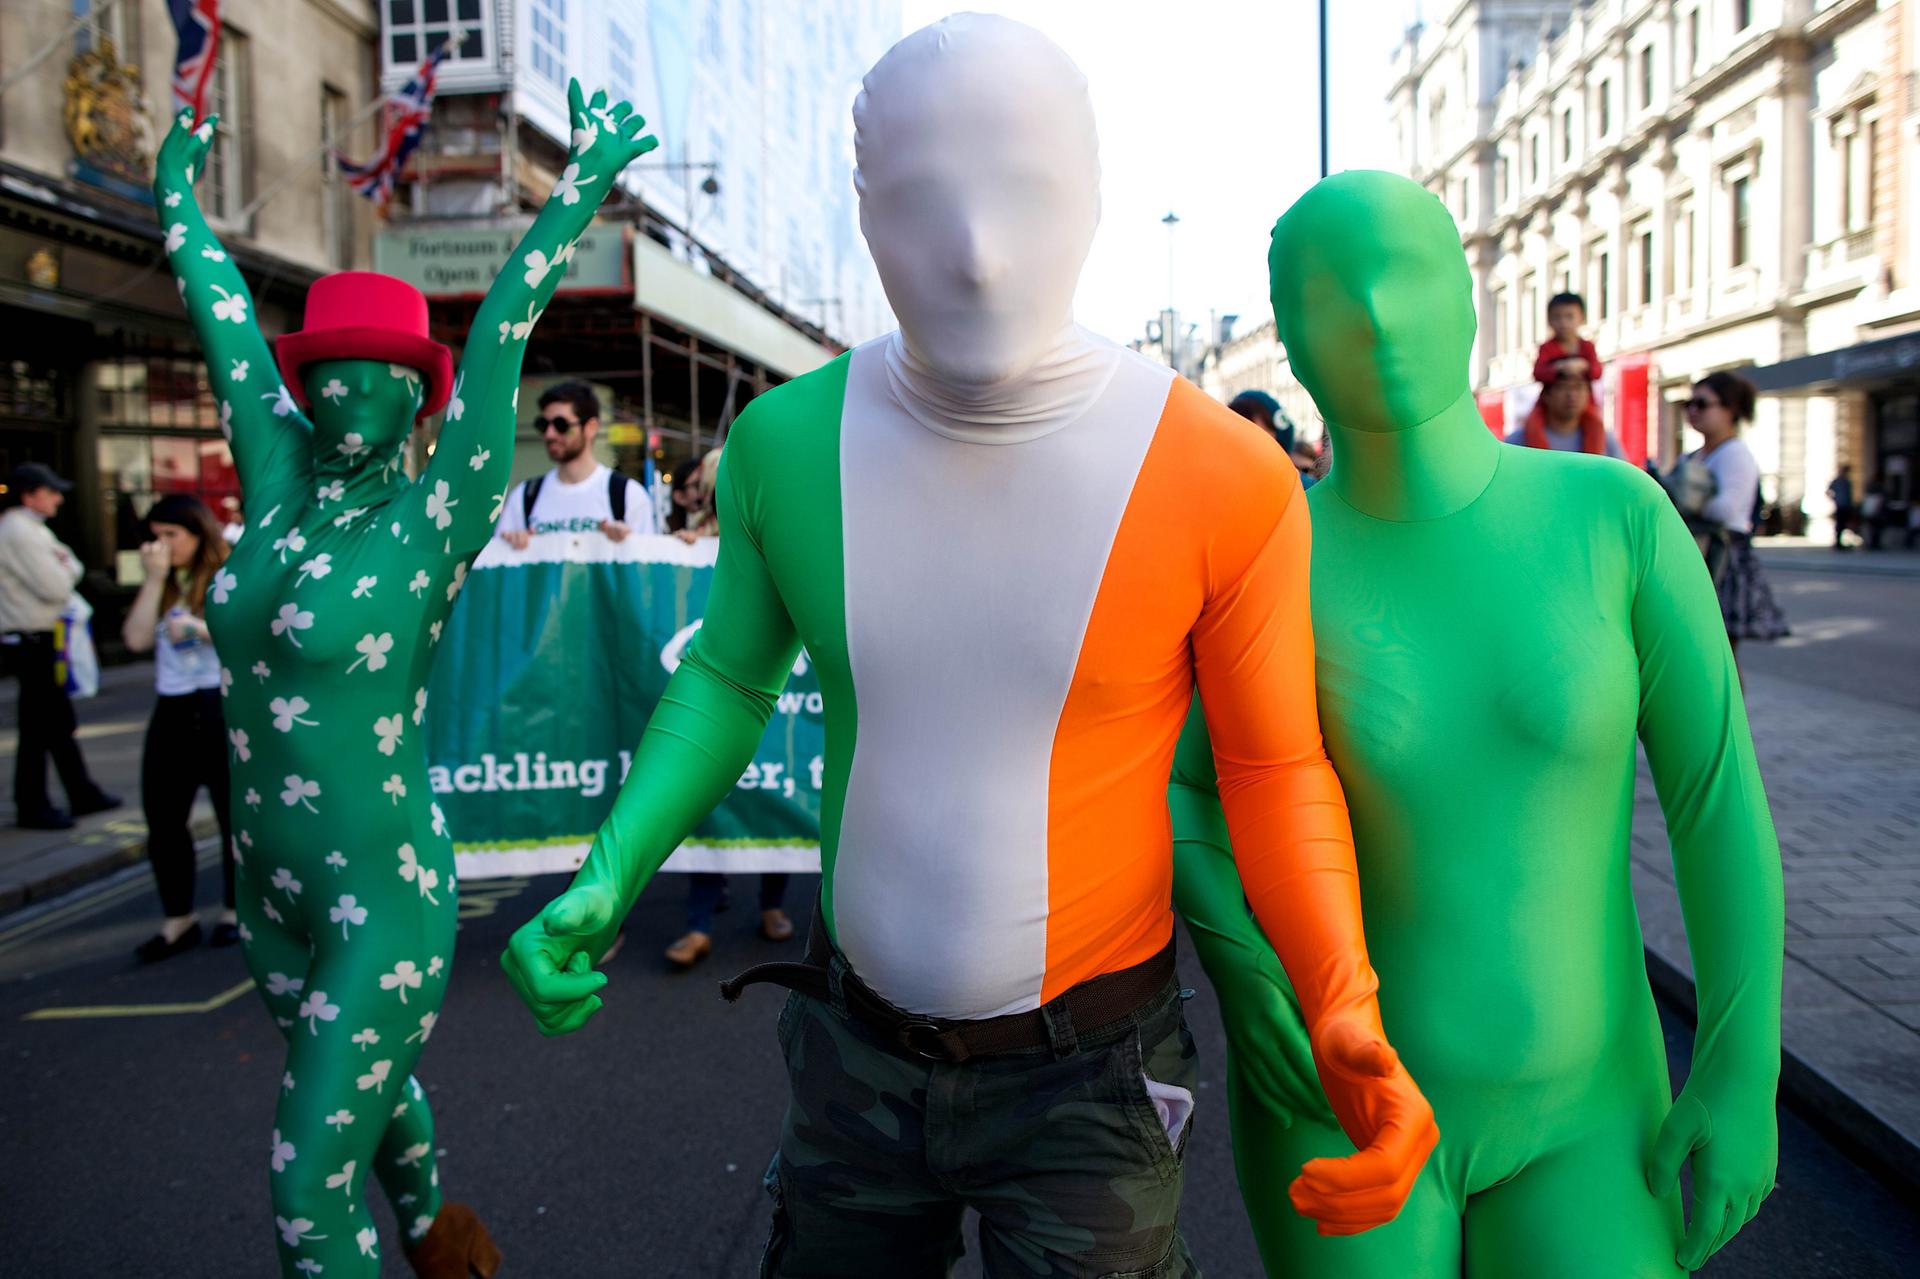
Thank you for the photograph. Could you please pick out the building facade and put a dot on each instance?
(101, 377)
(1727, 184)
(734, 256)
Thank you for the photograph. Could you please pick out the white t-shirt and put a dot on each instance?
(1737, 476)
(560, 507)
(177, 669)
(1566, 441)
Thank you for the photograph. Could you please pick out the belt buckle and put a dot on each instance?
(931, 1049)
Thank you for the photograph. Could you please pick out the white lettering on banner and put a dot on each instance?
(670, 658)
(587, 776)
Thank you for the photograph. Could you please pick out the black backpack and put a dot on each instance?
(616, 497)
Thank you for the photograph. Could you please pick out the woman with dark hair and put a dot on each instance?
(187, 738)
(1724, 518)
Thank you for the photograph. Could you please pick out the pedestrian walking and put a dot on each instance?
(37, 577)
(580, 494)
(1721, 402)
(1841, 492)
(186, 747)
(1873, 514)
(707, 896)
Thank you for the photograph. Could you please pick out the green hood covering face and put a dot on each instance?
(1379, 326)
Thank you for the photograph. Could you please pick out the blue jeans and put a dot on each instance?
(704, 891)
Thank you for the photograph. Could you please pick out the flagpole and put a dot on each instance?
(280, 183)
(52, 46)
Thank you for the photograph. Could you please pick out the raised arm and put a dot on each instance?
(1253, 660)
(700, 739)
(270, 437)
(1726, 864)
(1267, 1038)
(466, 481)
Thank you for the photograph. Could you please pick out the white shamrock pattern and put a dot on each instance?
(373, 650)
(292, 618)
(317, 567)
(231, 306)
(406, 975)
(281, 1153)
(287, 712)
(424, 877)
(348, 911)
(567, 189)
(316, 1008)
(440, 504)
(375, 1077)
(388, 729)
(222, 585)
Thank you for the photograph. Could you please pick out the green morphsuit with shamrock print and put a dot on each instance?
(326, 617)
(1494, 629)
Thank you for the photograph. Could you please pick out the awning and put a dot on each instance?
(1887, 360)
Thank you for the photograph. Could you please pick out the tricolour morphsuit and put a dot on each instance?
(1003, 697)
(326, 618)
(1494, 626)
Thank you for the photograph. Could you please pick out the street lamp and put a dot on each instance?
(1169, 327)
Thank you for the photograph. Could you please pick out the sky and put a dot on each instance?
(1208, 109)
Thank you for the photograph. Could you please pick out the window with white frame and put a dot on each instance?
(223, 182)
(1680, 256)
(548, 49)
(749, 42)
(336, 215)
(1643, 263)
(415, 28)
(1566, 135)
(1603, 110)
(1854, 138)
(1646, 77)
(1601, 283)
(1739, 219)
(1692, 55)
(1742, 14)
(1497, 330)
(620, 61)
(118, 24)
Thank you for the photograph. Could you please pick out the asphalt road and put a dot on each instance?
(136, 1144)
(1854, 631)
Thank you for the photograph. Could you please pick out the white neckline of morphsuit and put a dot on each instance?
(1055, 393)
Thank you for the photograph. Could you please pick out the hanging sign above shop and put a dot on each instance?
(462, 261)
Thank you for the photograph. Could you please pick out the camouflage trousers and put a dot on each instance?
(1064, 1150)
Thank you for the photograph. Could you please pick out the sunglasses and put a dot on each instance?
(1700, 404)
(541, 425)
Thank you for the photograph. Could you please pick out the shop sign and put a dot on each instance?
(463, 261)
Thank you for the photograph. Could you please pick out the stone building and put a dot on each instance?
(1728, 185)
(101, 376)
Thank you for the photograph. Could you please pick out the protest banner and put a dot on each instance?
(551, 664)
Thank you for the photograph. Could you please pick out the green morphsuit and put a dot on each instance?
(1494, 626)
(326, 617)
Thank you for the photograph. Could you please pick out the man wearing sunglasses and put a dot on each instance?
(579, 495)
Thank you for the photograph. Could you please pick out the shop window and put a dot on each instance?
(415, 28)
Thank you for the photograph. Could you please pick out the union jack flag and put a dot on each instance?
(402, 123)
(197, 23)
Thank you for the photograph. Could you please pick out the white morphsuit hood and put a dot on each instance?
(978, 172)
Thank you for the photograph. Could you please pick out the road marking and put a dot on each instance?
(220, 1000)
(480, 902)
(94, 898)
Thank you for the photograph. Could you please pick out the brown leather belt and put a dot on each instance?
(1086, 1007)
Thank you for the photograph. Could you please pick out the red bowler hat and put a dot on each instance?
(363, 315)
